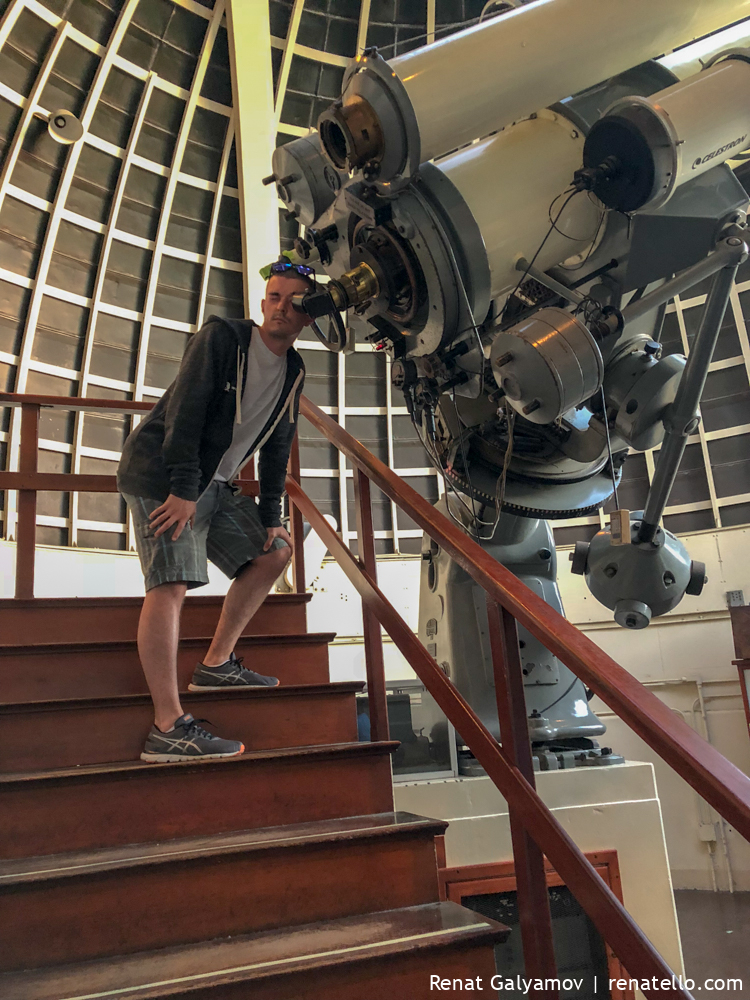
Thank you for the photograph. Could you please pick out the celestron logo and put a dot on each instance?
(717, 152)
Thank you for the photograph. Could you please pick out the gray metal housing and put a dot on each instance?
(453, 628)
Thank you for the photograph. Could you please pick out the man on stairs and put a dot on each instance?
(237, 392)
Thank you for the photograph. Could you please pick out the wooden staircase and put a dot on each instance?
(284, 873)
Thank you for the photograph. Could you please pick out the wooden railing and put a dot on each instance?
(535, 831)
(740, 618)
(28, 480)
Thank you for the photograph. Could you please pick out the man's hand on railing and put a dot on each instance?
(174, 510)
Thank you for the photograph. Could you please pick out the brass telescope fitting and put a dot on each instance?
(355, 287)
(351, 134)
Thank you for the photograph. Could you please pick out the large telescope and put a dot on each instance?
(510, 210)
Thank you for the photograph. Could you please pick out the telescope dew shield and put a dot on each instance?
(649, 146)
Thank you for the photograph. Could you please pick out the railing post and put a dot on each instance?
(531, 881)
(376, 696)
(296, 526)
(26, 524)
(743, 666)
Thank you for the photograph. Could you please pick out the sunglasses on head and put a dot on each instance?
(282, 266)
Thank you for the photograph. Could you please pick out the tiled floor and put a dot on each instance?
(715, 929)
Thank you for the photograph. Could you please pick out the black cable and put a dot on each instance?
(591, 248)
(609, 449)
(476, 529)
(572, 193)
(476, 521)
(566, 691)
(466, 467)
(455, 26)
(553, 222)
(590, 308)
(510, 417)
(436, 461)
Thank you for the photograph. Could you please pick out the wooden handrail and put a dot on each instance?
(618, 928)
(28, 481)
(715, 778)
(86, 403)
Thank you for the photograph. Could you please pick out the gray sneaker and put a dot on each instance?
(187, 741)
(230, 674)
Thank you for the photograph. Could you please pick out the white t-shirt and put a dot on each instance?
(266, 373)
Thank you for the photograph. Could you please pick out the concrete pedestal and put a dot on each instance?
(603, 809)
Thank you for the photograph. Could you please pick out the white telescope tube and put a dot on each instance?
(512, 183)
(655, 144)
(494, 73)
(710, 116)
(693, 58)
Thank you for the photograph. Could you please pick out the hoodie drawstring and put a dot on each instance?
(238, 387)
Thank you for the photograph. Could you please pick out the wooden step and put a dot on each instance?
(105, 619)
(39, 735)
(104, 805)
(391, 953)
(102, 669)
(157, 895)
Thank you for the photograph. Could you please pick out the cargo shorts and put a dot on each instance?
(227, 529)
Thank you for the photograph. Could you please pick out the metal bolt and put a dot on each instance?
(531, 407)
(631, 621)
(289, 179)
(268, 180)
(504, 359)
(371, 170)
